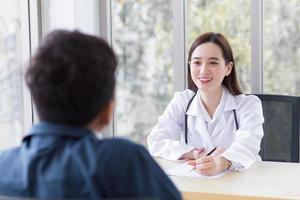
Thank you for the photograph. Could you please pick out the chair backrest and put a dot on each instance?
(281, 128)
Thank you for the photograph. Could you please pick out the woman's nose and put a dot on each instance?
(204, 69)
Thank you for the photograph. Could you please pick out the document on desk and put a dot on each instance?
(186, 170)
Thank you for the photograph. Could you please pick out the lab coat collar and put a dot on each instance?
(220, 108)
(195, 108)
(194, 113)
(230, 103)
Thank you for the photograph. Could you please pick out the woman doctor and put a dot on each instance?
(213, 112)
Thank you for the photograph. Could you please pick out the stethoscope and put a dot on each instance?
(186, 116)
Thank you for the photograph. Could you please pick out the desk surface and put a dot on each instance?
(265, 180)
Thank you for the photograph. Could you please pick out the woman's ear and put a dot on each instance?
(229, 67)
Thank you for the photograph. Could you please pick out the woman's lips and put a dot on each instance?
(205, 80)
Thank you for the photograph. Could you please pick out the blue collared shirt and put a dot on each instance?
(58, 161)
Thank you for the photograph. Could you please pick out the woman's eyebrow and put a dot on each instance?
(211, 58)
(196, 58)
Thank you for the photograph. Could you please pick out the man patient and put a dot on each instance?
(72, 81)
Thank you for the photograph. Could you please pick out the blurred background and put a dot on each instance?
(151, 39)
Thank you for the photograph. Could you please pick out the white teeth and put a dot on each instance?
(205, 79)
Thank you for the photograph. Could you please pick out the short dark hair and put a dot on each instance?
(230, 81)
(71, 77)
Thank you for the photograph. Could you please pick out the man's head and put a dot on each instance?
(72, 77)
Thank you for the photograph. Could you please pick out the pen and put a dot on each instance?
(209, 153)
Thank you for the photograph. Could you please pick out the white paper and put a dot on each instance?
(186, 170)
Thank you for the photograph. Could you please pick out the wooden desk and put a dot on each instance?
(265, 180)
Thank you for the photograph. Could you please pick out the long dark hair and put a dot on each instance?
(230, 81)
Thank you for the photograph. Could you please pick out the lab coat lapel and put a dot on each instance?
(220, 125)
(197, 121)
(219, 114)
(201, 128)
(229, 106)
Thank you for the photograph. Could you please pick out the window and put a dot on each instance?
(143, 42)
(231, 18)
(142, 33)
(281, 47)
(70, 14)
(11, 77)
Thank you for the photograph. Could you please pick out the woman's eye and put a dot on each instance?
(196, 63)
(214, 63)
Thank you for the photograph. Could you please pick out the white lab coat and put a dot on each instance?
(167, 140)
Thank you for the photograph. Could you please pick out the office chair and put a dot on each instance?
(281, 128)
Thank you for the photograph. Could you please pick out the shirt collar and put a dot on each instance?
(54, 129)
(219, 110)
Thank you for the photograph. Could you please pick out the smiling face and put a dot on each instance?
(208, 67)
